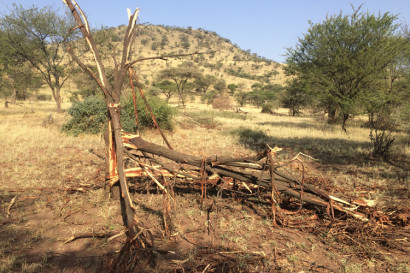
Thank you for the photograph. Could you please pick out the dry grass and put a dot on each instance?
(39, 162)
(31, 140)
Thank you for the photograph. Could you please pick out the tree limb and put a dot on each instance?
(164, 57)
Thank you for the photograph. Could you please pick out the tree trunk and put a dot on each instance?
(345, 117)
(116, 130)
(13, 96)
(114, 190)
(294, 111)
(331, 114)
(57, 97)
(371, 120)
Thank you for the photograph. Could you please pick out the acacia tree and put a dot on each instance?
(220, 86)
(13, 85)
(296, 95)
(38, 35)
(6, 55)
(180, 75)
(167, 88)
(204, 82)
(342, 56)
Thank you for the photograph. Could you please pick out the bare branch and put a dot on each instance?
(85, 30)
(164, 57)
(87, 69)
(128, 37)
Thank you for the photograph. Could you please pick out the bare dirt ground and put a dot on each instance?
(57, 217)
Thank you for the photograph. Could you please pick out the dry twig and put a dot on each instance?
(10, 205)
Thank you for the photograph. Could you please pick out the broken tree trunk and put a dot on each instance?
(112, 93)
(112, 97)
(259, 174)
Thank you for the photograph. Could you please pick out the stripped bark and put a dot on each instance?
(112, 97)
(112, 93)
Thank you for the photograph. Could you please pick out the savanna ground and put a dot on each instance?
(52, 188)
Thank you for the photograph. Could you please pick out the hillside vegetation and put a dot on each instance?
(222, 59)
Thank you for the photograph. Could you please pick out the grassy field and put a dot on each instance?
(52, 188)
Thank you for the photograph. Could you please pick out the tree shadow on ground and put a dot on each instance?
(327, 151)
(27, 245)
(304, 125)
(23, 251)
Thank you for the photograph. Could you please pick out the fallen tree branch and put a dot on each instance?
(164, 57)
(10, 205)
(94, 235)
(284, 183)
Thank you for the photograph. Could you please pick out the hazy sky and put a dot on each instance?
(266, 27)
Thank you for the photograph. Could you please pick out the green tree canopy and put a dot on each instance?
(180, 75)
(204, 82)
(232, 87)
(296, 95)
(167, 88)
(341, 57)
(16, 77)
(38, 35)
(220, 86)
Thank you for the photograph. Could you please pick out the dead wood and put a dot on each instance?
(284, 183)
(10, 205)
(94, 235)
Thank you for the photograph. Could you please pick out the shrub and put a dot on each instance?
(267, 108)
(161, 110)
(90, 115)
(382, 141)
(381, 129)
(87, 116)
(43, 97)
(208, 97)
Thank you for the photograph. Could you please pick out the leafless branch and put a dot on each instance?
(164, 57)
(10, 205)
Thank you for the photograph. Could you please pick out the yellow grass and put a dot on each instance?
(37, 158)
(37, 154)
(34, 151)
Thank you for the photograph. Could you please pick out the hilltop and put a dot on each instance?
(227, 61)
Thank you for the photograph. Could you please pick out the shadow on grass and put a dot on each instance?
(304, 125)
(327, 151)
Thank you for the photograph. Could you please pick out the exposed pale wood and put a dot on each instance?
(111, 96)
(283, 183)
(10, 206)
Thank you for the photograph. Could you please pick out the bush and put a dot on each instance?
(162, 112)
(381, 129)
(208, 97)
(382, 141)
(87, 116)
(43, 97)
(267, 108)
(90, 115)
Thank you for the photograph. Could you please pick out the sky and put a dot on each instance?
(266, 27)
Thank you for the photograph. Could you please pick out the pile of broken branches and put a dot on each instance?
(262, 172)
